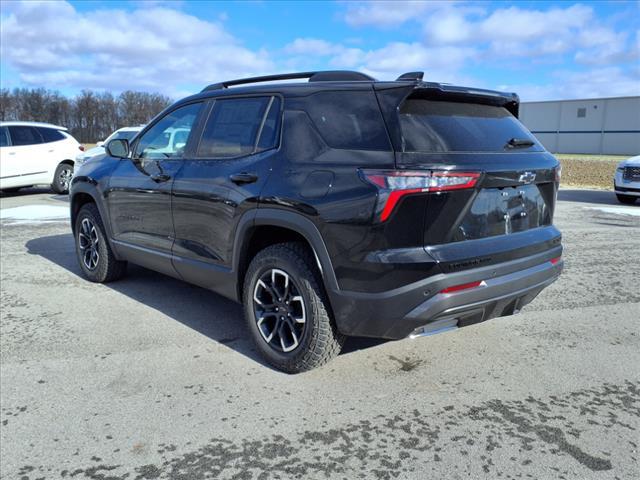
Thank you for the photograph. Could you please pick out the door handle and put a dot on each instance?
(160, 177)
(242, 178)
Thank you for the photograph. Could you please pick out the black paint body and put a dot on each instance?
(200, 226)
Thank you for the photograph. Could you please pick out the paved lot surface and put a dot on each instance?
(152, 378)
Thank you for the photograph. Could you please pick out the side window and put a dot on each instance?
(50, 134)
(4, 137)
(349, 120)
(168, 137)
(270, 128)
(232, 127)
(22, 135)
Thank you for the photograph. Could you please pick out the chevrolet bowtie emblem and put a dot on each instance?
(527, 177)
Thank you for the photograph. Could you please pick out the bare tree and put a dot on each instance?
(90, 116)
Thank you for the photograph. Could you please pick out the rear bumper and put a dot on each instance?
(421, 308)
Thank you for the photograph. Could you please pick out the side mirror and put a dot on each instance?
(118, 148)
(100, 144)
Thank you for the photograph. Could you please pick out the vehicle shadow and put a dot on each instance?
(204, 311)
(23, 192)
(603, 197)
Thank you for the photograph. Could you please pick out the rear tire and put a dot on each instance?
(626, 199)
(62, 178)
(302, 308)
(96, 259)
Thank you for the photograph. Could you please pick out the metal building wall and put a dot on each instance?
(606, 126)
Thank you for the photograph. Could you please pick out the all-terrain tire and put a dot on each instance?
(89, 230)
(320, 340)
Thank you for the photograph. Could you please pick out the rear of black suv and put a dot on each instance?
(341, 206)
(436, 206)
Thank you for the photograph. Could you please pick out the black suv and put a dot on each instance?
(333, 207)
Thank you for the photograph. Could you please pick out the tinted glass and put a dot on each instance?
(168, 137)
(125, 135)
(232, 127)
(430, 126)
(50, 134)
(270, 129)
(4, 137)
(350, 120)
(24, 135)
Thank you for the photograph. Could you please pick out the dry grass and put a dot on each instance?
(588, 171)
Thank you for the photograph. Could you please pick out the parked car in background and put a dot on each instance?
(125, 133)
(33, 153)
(626, 181)
(341, 206)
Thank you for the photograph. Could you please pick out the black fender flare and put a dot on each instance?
(293, 221)
(89, 186)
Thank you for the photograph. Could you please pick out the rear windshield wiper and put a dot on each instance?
(519, 143)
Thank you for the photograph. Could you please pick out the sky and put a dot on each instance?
(541, 50)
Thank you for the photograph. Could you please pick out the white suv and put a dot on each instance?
(33, 153)
(626, 181)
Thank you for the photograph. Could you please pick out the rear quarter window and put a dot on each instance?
(50, 134)
(436, 126)
(348, 120)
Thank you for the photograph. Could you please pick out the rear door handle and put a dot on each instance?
(241, 178)
(160, 177)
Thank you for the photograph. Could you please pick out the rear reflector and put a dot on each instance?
(463, 286)
(395, 184)
(555, 260)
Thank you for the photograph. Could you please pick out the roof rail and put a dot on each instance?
(411, 76)
(327, 76)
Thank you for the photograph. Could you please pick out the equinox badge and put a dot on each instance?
(527, 177)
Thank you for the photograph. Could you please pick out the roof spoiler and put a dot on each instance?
(411, 76)
(326, 76)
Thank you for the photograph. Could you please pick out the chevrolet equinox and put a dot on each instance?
(338, 206)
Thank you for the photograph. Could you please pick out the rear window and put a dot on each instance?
(433, 126)
(50, 134)
(349, 120)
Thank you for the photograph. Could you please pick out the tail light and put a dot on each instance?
(395, 184)
(558, 173)
(463, 286)
(81, 148)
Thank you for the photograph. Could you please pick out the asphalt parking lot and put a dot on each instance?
(153, 378)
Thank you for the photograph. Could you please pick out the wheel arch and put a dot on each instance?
(84, 191)
(262, 227)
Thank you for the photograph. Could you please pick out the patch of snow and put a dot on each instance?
(35, 214)
(635, 211)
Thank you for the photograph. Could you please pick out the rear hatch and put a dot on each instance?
(508, 212)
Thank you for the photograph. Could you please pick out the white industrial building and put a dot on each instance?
(606, 126)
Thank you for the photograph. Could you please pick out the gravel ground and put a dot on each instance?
(153, 378)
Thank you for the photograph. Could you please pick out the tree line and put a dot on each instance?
(90, 116)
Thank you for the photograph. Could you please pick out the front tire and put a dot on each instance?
(62, 178)
(286, 309)
(626, 199)
(96, 259)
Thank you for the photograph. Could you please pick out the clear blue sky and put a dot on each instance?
(542, 50)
